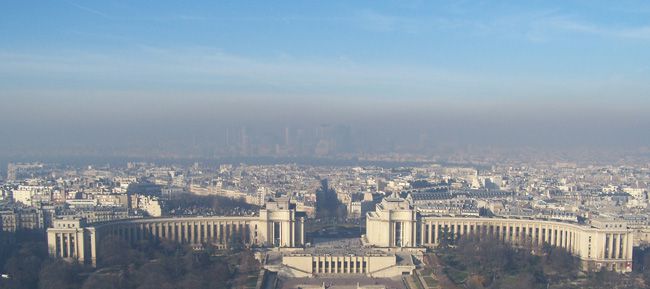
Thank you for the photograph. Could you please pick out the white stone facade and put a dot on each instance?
(278, 225)
(396, 223)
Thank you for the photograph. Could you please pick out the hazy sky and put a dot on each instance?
(555, 69)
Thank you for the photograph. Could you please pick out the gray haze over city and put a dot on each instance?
(173, 124)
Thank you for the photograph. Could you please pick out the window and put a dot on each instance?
(398, 234)
(276, 234)
(426, 234)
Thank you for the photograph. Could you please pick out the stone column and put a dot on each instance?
(566, 239)
(531, 234)
(198, 238)
(610, 246)
(186, 231)
(205, 233)
(193, 231)
(215, 234)
(624, 241)
(414, 233)
(422, 232)
(349, 260)
(218, 233)
(200, 233)
(76, 247)
(93, 248)
(621, 246)
(302, 231)
(526, 234)
(211, 231)
(69, 244)
(626, 252)
(391, 234)
(61, 239)
(328, 264)
(190, 232)
(292, 234)
(180, 232)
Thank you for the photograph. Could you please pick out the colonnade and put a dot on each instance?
(581, 240)
(278, 225)
(339, 264)
(432, 231)
(186, 230)
(66, 245)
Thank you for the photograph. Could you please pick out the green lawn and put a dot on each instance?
(456, 276)
(431, 283)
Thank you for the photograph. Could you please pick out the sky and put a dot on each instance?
(72, 71)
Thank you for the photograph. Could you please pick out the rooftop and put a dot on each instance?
(339, 247)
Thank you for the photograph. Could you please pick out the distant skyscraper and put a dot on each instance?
(11, 172)
(244, 141)
(287, 137)
(334, 139)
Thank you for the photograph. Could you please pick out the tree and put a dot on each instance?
(58, 274)
(113, 251)
(24, 266)
(105, 281)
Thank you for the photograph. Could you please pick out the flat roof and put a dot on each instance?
(340, 247)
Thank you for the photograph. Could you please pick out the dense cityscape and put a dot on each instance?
(336, 202)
